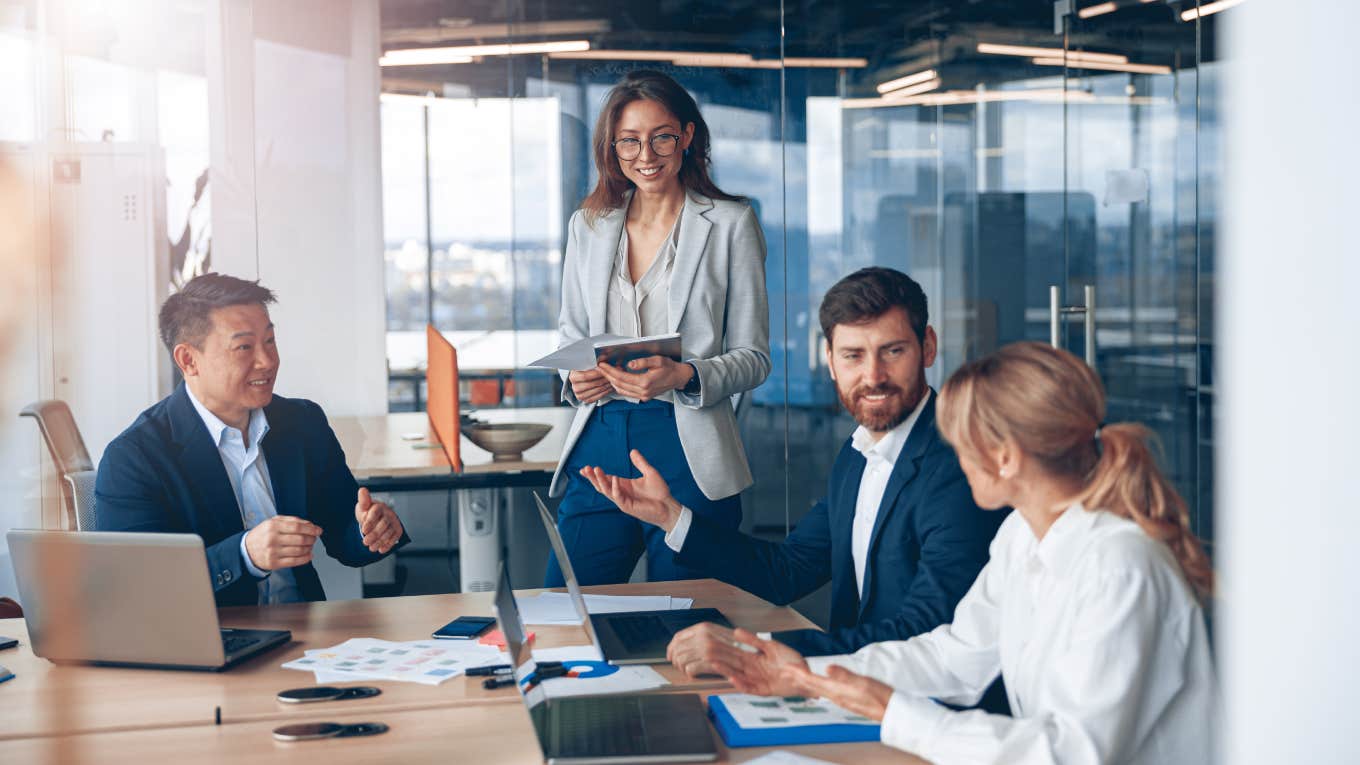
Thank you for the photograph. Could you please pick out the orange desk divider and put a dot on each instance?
(441, 383)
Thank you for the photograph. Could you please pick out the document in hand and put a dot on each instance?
(745, 720)
(613, 349)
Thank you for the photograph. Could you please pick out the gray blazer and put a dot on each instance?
(717, 304)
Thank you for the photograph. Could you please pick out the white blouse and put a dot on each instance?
(641, 309)
(1099, 638)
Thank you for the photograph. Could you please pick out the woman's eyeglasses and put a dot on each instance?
(663, 145)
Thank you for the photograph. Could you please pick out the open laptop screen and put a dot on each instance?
(573, 587)
(521, 654)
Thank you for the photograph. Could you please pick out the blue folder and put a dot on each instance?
(734, 735)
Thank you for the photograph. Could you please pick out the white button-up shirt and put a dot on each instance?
(879, 458)
(1099, 638)
(249, 476)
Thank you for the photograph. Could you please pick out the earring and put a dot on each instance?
(1001, 473)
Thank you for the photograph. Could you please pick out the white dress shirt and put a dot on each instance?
(641, 309)
(879, 458)
(1099, 638)
(249, 476)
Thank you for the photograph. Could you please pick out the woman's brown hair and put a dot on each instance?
(613, 184)
(1050, 405)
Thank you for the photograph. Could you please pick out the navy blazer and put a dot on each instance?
(164, 474)
(929, 543)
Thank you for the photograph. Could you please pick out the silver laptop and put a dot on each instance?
(631, 637)
(108, 597)
(654, 727)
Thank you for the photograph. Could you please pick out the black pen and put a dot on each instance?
(492, 683)
(501, 669)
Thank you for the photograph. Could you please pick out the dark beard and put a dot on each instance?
(881, 420)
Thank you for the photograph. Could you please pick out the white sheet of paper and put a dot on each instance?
(762, 712)
(579, 355)
(628, 679)
(562, 653)
(429, 662)
(325, 677)
(547, 608)
(556, 607)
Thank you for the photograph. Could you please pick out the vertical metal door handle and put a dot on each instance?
(1054, 316)
(1090, 325)
(1088, 311)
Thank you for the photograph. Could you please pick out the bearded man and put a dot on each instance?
(897, 535)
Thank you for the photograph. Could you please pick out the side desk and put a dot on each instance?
(383, 460)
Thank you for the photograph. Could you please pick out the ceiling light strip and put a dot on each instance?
(1030, 51)
(1099, 9)
(701, 58)
(1208, 9)
(908, 81)
(1103, 66)
(463, 54)
(914, 90)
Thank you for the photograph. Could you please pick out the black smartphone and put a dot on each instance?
(464, 627)
(7, 642)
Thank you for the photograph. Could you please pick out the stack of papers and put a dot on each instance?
(556, 607)
(429, 662)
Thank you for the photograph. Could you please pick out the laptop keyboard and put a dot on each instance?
(638, 632)
(233, 643)
(597, 727)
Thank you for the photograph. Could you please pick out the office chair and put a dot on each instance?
(81, 486)
(68, 450)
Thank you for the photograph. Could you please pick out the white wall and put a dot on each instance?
(293, 91)
(1289, 488)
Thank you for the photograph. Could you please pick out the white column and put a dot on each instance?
(1288, 514)
(229, 60)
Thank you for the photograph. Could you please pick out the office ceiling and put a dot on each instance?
(894, 36)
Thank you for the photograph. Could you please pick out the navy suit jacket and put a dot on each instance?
(929, 543)
(164, 474)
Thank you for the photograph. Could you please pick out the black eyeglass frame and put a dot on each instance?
(614, 144)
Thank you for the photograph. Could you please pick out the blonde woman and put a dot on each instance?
(1090, 606)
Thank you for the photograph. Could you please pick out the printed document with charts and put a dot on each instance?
(429, 662)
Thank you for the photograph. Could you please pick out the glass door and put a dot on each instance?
(1130, 234)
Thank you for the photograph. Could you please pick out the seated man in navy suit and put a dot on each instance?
(259, 477)
(898, 535)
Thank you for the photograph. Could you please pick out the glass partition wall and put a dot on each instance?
(1019, 160)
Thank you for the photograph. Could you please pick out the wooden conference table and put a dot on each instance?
(73, 713)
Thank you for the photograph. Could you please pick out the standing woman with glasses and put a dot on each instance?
(657, 248)
(1090, 606)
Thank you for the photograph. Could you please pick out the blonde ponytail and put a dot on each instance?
(1050, 404)
(1127, 482)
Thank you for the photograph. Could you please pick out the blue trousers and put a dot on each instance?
(602, 541)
